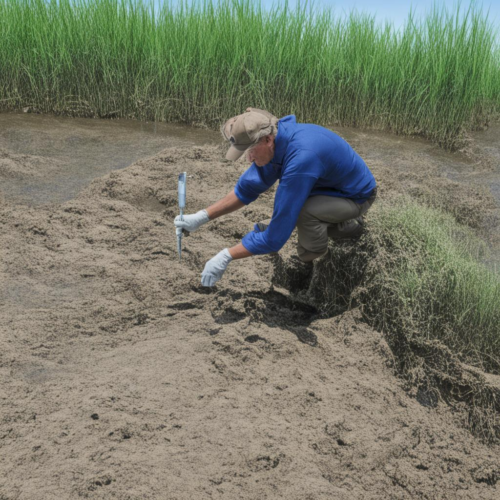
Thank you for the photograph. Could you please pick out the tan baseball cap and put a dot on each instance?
(243, 130)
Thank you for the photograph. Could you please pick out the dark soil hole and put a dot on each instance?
(277, 309)
(427, 397)
(305, 336)
(292, 273)
(488, 475)
(141, 319)
(104, 482)
(269, 463)
(230, 316)
(184, 306)
(203, 290)
(254, 338)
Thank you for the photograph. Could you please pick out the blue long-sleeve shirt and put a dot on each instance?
(308, 160)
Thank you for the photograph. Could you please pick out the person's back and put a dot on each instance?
(338, 169)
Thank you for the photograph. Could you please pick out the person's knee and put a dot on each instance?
(304, 219)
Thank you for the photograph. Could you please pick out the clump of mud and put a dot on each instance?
(124, 377)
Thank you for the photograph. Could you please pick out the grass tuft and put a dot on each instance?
(417, 272)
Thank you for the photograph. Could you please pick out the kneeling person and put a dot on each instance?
(324, 188)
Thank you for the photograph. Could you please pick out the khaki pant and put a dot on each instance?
(324, 217)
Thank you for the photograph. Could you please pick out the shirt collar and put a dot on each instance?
(285, 127)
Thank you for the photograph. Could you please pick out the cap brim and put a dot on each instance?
(236, 152)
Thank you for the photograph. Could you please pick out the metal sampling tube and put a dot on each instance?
(182, 205)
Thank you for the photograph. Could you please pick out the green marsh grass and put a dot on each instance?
(432, 283)
(418, 274)
(202, 62)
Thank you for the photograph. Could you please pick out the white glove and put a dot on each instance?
(191, 222)
(215, 267)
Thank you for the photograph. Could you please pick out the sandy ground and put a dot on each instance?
(121, 377)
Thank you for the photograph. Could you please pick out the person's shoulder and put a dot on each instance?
(302, 161)
(309, 135)
(287, 120)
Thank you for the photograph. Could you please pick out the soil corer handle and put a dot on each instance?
(182, 205)
(182, 191)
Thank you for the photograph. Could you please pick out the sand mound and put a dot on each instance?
(21, 166)
(123, 378)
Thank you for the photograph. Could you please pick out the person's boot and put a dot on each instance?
(292, 273)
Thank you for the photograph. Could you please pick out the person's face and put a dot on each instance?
(262, 153)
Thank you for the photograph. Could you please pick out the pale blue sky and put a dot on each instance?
(397, 10)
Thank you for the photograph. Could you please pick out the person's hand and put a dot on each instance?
(215, 267)
(191, 222)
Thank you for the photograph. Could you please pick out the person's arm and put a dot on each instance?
(226, 205)
(191, 222)
(254, 181)
(239, 252)
(291, 195)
